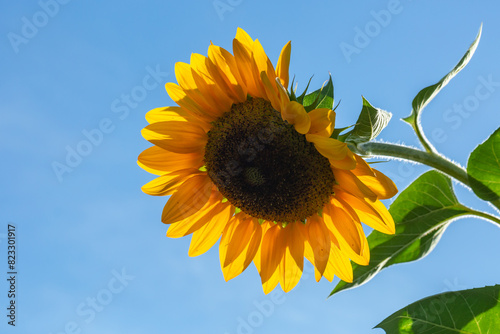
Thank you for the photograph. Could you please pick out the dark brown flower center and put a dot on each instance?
(264, 167)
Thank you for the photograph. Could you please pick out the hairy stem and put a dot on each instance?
(421, 136)
(485, 216)
(431, 159)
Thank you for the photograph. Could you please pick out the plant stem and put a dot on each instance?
(412, 154)
(431, 159)
(485, 216)
(421, 136)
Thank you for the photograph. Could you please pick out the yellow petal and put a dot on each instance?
(197, 91)
(284, 64)
(206, 236)
(322, 122)
(328, 147)
(348, 163)
(234, 262)
(363, 258)
(227, 71)
(188, 199)
(272, 278)
(184, 76)
(272, 282)
(177, 137)
(237, 238)
(344, 226)
(166, 114)
(262, 61)
(338, 264)
(180, 97)
(166, 184)
(198, 64)
(244, 38)
(292, 264)
(295, 114)
(318, 237)
(272, 248)
(247, 68)
(283, 95)
(380, 184)
(220, 99)
(207, 84)
(372, 213)
(199, 218)
(350, 183)
(159, 161)
(362, 167)
(271, 92)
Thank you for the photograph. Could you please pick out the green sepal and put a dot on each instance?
(300, 98)
(337, 133)
(320, 212)
(370, 123)
(321, 98)
(291, 95)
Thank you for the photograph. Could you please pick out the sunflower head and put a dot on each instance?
(244, 162)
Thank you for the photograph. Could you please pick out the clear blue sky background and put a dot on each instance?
(77, 232)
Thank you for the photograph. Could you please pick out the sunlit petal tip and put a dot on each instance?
(284, 64)
(166, 114)
(243, 37)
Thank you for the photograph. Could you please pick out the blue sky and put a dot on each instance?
(92, 251)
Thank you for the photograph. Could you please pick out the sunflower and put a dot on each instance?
(246, 164)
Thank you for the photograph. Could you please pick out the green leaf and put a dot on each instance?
(428, 93)
(337, 132)
(300, 98)
(483, 168)
(421, 212)
(467, 311)
(370, 123)
(321, 98)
